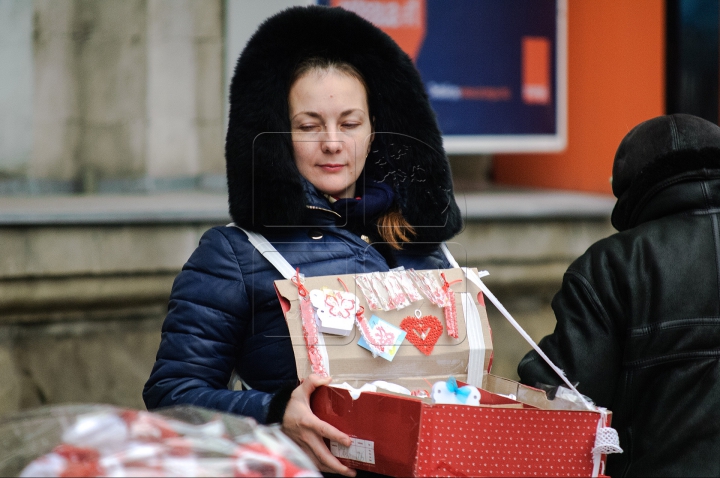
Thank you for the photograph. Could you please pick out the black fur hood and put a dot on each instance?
(265, 187)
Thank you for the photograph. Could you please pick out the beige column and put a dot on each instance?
(111, 48)
(89, 107)
(184, 88)
(56, 119)
(15, 85)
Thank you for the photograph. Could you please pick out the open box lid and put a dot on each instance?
(465, 358)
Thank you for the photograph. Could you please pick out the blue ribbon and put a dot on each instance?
(462, 393)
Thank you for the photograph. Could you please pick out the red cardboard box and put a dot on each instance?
(400, 435)
(411, 438)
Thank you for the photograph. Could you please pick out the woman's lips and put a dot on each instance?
(331, 168)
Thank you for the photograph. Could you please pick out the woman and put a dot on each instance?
(359, 184)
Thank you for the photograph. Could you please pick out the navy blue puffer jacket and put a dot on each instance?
(224, 314)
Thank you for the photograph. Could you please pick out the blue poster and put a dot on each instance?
(494, 70)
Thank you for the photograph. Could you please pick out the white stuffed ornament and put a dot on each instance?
(449, 393)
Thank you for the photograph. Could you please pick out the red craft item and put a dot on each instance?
(423, 332)
(366, 333)
(450, 310)
(310, 333)
(309, 328)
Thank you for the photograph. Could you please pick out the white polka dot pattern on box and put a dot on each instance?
(457, 440)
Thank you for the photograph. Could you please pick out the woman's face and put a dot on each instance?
(331, 130)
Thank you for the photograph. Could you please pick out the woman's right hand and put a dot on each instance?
(307, 430)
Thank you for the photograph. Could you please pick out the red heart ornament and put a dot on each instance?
(422, 332)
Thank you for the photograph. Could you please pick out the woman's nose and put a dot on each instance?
(332, 142)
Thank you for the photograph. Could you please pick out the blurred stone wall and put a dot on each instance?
(99, 97)
(81, 309)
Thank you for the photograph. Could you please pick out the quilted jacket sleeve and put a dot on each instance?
(585, 343)
(208, 311)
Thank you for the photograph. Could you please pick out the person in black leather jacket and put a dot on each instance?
(638, 315)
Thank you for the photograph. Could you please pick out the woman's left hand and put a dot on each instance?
(308, 431)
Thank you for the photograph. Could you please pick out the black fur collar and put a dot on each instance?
(666, 171)
(265, 187)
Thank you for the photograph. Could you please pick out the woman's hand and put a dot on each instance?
(307, 430)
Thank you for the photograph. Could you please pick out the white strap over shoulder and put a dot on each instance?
(475, 279)
(283, 266)
(268, 251)
(448, 256)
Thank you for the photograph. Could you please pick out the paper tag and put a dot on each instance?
(335, 310)
(359, 450)
(385, 336)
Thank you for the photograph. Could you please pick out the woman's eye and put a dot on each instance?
(307, 127)
(350, 125)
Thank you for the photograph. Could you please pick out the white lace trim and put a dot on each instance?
(606, 442)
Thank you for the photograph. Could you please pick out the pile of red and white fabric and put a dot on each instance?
(184, 441)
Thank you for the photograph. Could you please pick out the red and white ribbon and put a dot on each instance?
(313, 338)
